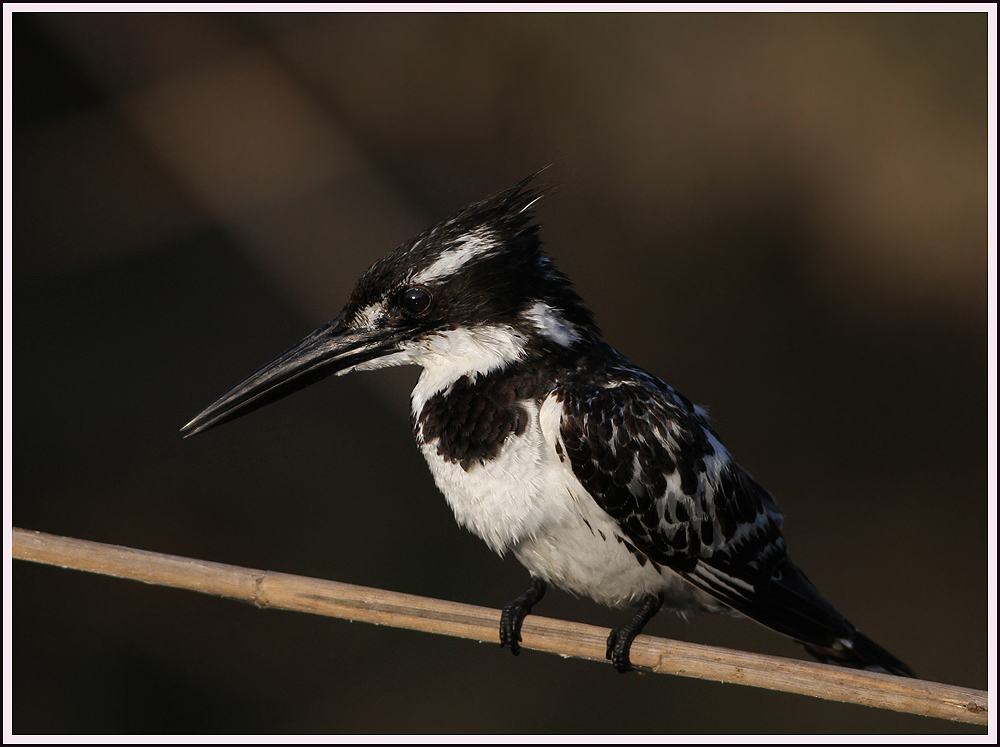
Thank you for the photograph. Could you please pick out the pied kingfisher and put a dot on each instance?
(547, 443)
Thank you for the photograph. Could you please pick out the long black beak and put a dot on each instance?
(330, 349)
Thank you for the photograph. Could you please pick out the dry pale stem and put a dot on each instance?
(363, 604)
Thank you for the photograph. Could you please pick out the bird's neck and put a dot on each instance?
(464, 352)
(471, 354)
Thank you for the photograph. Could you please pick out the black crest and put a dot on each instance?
(505, 275)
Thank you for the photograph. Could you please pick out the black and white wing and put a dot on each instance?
(650, 460)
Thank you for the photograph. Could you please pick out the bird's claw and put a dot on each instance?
(514, 613)
(619, 647)
(510, 626)
(620, 639)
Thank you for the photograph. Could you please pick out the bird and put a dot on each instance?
(548, 444)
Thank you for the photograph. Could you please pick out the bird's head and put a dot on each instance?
(471, 293)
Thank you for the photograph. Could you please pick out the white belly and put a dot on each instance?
(529, 502)
(518, 494)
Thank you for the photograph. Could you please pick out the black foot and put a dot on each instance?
(620, 640)
(514, 613)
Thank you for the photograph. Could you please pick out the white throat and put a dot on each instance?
(448, 356)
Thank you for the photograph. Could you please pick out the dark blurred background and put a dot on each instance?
(784, 216)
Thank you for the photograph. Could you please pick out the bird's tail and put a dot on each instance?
(786, 601)
(859, 652)
(823, 631)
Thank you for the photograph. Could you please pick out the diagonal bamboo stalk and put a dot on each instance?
(363, 604)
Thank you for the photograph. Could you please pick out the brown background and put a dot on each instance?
(785, 216)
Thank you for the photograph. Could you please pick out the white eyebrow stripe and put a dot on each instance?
(451, 260)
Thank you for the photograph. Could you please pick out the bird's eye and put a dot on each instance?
(415, 301)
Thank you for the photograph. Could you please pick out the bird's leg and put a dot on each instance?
(514, 613)
(620, 639)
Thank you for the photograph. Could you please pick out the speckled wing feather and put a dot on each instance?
(650, 460)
